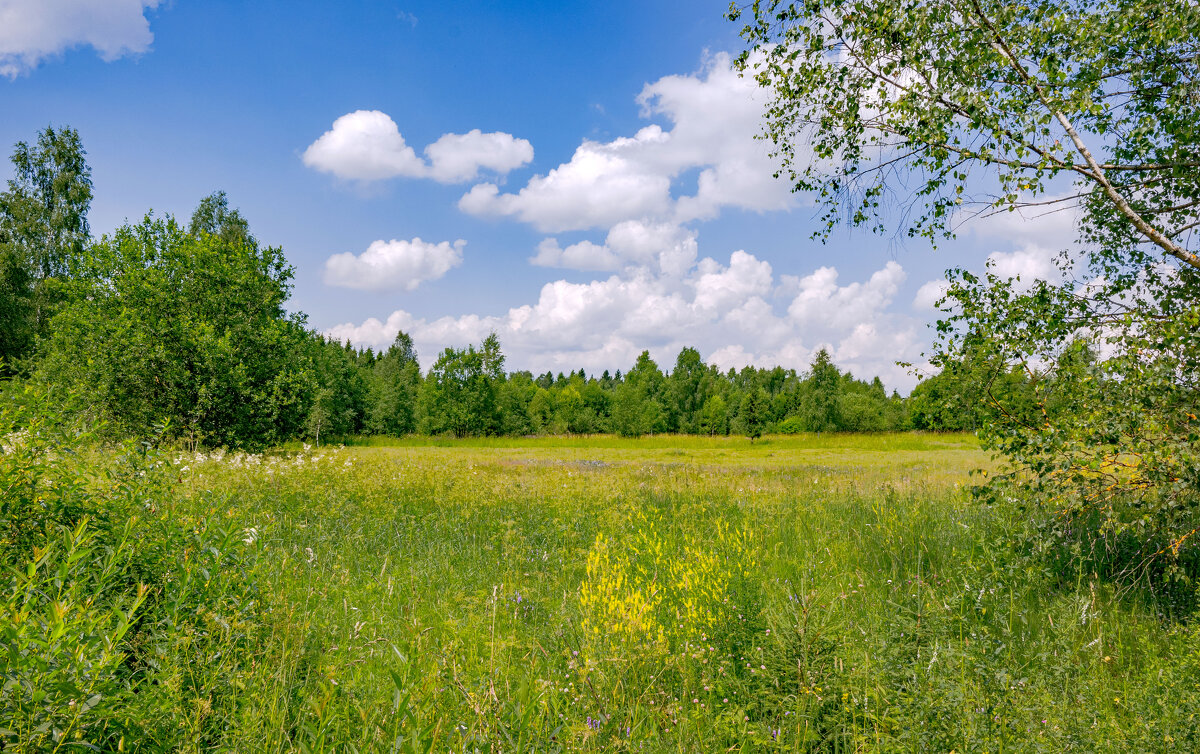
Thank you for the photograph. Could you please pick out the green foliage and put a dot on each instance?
(1105, 436)
(714, 416)
(752, 417)
(822, 409)
(459, 394)
(126, 620)
(43, 226)
(1086, 384)
(160, 324)
(634, 412)
(66, 618)
(393, 385)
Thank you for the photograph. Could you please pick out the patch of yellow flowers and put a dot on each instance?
(653, 593)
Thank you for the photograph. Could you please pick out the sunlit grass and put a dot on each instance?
(798, 593)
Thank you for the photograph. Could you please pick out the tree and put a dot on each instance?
(687, 388)
(395, 378)
(714, 416)
(822, 408)
(515, 399)
(459, 393)
(541, 410)
(319, 414)
(648, 384)
(214, 217)
(43, 228)
(753, 413)
(341, 390)
(635, 409)
(159, 324)
(947, 110)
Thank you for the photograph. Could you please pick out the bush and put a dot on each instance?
(793, 425)
(126, 621)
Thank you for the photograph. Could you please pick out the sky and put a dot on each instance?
(583, 179)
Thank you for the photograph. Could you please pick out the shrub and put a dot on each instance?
(126, 619)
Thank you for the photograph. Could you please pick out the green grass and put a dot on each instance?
(768, 444)
(838, 593)
(801, 593)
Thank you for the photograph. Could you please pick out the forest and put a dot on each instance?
(182, 331)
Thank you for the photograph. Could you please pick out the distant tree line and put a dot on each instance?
(182, 328)
(466, 392)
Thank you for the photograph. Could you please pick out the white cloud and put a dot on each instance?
(663, 247)
(393, 265)
(455, 158)
(584, 255)
(713, 117)
(599, 187)
(820, 301)
(929, 294)
(366, 145)
(33, 30)
(718, 288)
(671, 248)
(1028, 264)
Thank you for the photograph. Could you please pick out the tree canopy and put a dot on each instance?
(43, 226)
(923, 115)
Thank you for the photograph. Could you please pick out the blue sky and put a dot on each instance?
(595, 160)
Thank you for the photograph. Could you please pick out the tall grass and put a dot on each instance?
(839, 593)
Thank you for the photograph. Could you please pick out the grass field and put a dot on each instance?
(833, 593)
(839, 593)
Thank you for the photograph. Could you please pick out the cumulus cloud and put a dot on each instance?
(713, 117)
(929, 294)
(717, 288)
(455, 158)
(599, 187)
(393, 265)
(33, 30)
(1027, 264)
(820, 301)
(584, 255)
(662, 247)
(366, 145)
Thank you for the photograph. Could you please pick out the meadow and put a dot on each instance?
(801, 593)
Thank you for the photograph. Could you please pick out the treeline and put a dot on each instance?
(467, 392)
(181, 330)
